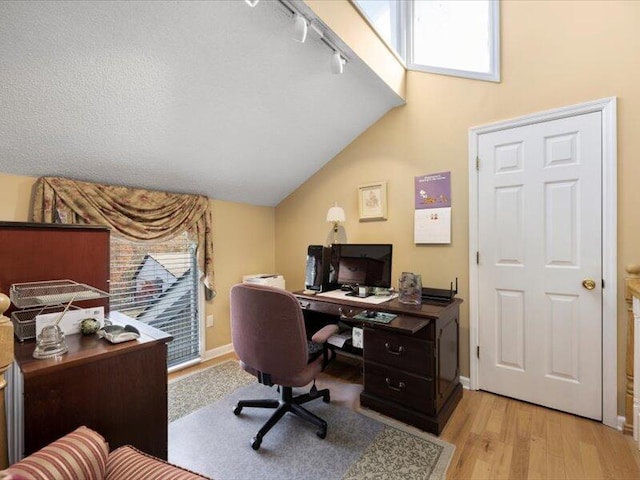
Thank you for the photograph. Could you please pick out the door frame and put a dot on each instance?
(608, 108)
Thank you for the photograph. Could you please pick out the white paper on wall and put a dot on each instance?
(432, 225)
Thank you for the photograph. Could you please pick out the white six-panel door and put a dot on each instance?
(539, 238)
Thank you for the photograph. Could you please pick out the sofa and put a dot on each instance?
(84, 455)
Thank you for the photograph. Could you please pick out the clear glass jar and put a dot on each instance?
(410, 288)
(50, 343)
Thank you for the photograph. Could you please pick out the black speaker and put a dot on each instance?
(316, 276)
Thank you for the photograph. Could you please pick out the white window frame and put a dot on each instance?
(494, 55)
(405, 17)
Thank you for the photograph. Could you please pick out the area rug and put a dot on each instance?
(213, 441)
(188, 394)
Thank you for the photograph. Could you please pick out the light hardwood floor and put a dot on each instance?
(500, 438)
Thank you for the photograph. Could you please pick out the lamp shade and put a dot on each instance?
(335, 214)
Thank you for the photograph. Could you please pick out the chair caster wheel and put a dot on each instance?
(255, 442)
(322, 433)
(326, 398)
(237, 409)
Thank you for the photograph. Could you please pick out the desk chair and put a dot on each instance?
(269, 337)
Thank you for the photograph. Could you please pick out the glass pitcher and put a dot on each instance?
(410, 288)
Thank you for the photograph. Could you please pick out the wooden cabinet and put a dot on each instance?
(118, 390)
(411, 365)
(33, 252)
(400, 369)
(414, 377)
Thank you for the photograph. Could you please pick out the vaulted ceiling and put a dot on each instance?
(211, 97)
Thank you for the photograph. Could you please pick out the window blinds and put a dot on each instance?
(157, 283)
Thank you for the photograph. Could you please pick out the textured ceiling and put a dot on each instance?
(211, 97)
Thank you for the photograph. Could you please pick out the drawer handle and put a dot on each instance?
(305, 305)
(398, 352)
(399, 388)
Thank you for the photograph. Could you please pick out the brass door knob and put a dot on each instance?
(589, 284)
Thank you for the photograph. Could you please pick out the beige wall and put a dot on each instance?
(243, 241)
(15, 197)
(553, 54)
(346, 22)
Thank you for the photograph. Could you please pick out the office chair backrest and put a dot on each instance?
(267, 329)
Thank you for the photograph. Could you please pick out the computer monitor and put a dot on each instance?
(363, 264)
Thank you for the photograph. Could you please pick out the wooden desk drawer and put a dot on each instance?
(321, 307)
(401, 387)
(399, 351)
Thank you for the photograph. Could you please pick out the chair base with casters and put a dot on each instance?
(286, 403)
(270, 338)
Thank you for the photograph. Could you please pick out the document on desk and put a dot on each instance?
(339, 339)
(372, 300)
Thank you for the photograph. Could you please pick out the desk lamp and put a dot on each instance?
(336, 216)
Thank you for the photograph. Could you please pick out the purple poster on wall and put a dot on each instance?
(433, 190)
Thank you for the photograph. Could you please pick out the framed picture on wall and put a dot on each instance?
(372, 201)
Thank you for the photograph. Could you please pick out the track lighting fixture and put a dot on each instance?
(300, 27)
(337, 63)
(251, 3)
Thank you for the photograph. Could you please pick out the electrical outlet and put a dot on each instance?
(209, 320)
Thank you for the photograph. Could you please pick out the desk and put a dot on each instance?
(411, 365)
(118, 390)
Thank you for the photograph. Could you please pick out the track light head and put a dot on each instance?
(251, 3)
(337, 63)
(300, 27)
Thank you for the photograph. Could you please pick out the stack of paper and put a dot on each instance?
(339, 339)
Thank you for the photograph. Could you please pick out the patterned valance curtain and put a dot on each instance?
(133, 213)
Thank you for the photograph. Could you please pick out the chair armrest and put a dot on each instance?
(322, 335)
(129, 463)
(79, 455)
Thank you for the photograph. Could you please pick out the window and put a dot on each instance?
(157, 283)
(385, 17)
(451, 37)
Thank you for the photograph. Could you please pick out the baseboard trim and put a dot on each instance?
(217, 352)
(465, 382)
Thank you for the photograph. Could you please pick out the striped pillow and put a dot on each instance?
(5, 475)
(79, 455)
(127, 463)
